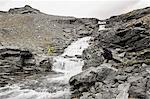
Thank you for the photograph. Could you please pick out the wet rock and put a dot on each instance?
(46, 65)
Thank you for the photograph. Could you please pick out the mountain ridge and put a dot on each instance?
(127, 38)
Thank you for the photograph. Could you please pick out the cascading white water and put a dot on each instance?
(52, 86)
(101, 25)
(68, 63)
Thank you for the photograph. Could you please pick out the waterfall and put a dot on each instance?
(51, 86)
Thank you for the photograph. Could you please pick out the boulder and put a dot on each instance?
(88, 78)
(46, 65)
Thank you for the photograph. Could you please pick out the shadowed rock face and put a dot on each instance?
(127, 36)
(16, 63)
(132, 39)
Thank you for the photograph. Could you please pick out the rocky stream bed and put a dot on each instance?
(92, 59)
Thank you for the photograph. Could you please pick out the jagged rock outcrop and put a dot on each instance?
(24, 10)
(127, 36)
(133, 17)
(15, 62)
(131, 39)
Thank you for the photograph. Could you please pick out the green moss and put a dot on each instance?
(50, 49)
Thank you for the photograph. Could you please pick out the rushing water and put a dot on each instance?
(51, 86)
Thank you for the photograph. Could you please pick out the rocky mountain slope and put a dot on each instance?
(116, 64)
(38, 35)
(127, 37)
(27, 27)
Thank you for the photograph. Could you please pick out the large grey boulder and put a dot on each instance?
(84, 81)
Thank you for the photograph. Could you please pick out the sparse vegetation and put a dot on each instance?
(50, 50)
